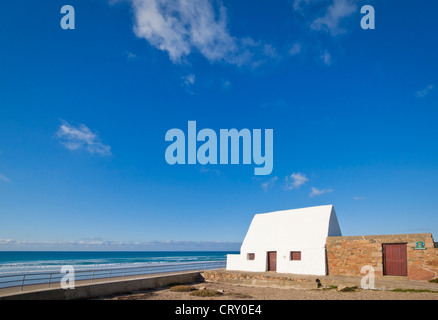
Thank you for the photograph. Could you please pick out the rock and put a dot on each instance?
(202, 288)
(221, 291)
(341, 287)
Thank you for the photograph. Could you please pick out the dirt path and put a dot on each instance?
(239, 292)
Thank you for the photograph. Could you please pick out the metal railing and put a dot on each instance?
(102, 275)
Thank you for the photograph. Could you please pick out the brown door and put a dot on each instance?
(395, 260)
(272, 261)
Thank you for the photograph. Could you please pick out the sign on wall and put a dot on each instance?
(419, 245)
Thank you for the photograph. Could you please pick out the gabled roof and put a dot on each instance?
(300, 228)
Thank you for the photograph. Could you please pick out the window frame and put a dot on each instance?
(292, 256)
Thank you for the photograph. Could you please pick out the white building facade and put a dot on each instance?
(290, 241)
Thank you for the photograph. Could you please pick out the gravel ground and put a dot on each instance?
(239, 292)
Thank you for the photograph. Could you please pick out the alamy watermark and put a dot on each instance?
(68, 20)
(367, 282)
(367, 21)
(68, 281)
(229, 142)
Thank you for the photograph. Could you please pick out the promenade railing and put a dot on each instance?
(50, 278)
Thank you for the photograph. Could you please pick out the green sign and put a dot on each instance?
(419, 246)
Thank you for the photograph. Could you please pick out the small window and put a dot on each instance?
(295, 255)
(251, 256)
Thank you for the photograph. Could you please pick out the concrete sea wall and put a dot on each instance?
(90, 291)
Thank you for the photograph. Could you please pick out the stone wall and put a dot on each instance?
(264, 279)
(347, 255)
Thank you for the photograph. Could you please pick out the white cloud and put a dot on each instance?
(295, 180)
(270, 51)
(269, 184)
(359, 198)
(295, 49)
(332, 20)
(181, 27)
(80, 137)
(326, 58)
(318, 192)
(188, 80)
(299, 5)
(4, 178)
(331, 17)
(423, 93)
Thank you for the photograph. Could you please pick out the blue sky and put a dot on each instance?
(84, 113)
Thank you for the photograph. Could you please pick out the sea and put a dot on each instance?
(18, 262)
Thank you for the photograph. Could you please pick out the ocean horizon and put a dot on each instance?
(42, 261)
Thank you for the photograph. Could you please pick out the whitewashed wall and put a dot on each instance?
(302, 230)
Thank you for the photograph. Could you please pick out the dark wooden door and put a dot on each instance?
(272, 261)
(395, 259)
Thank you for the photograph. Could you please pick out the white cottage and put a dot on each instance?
(290, 241)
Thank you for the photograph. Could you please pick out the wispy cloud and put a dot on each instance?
(81, 137)
(269, 184)
(187, 83)
(270, 51)
(189, 80)
(318, 192)
(295, 180)
(131, 56)
(4, 178)
(295, 49)
(423, 93)
(204, 169)
(105, 245)
(181, 27)
(358, 198)
(326, 58)
(334, 16)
